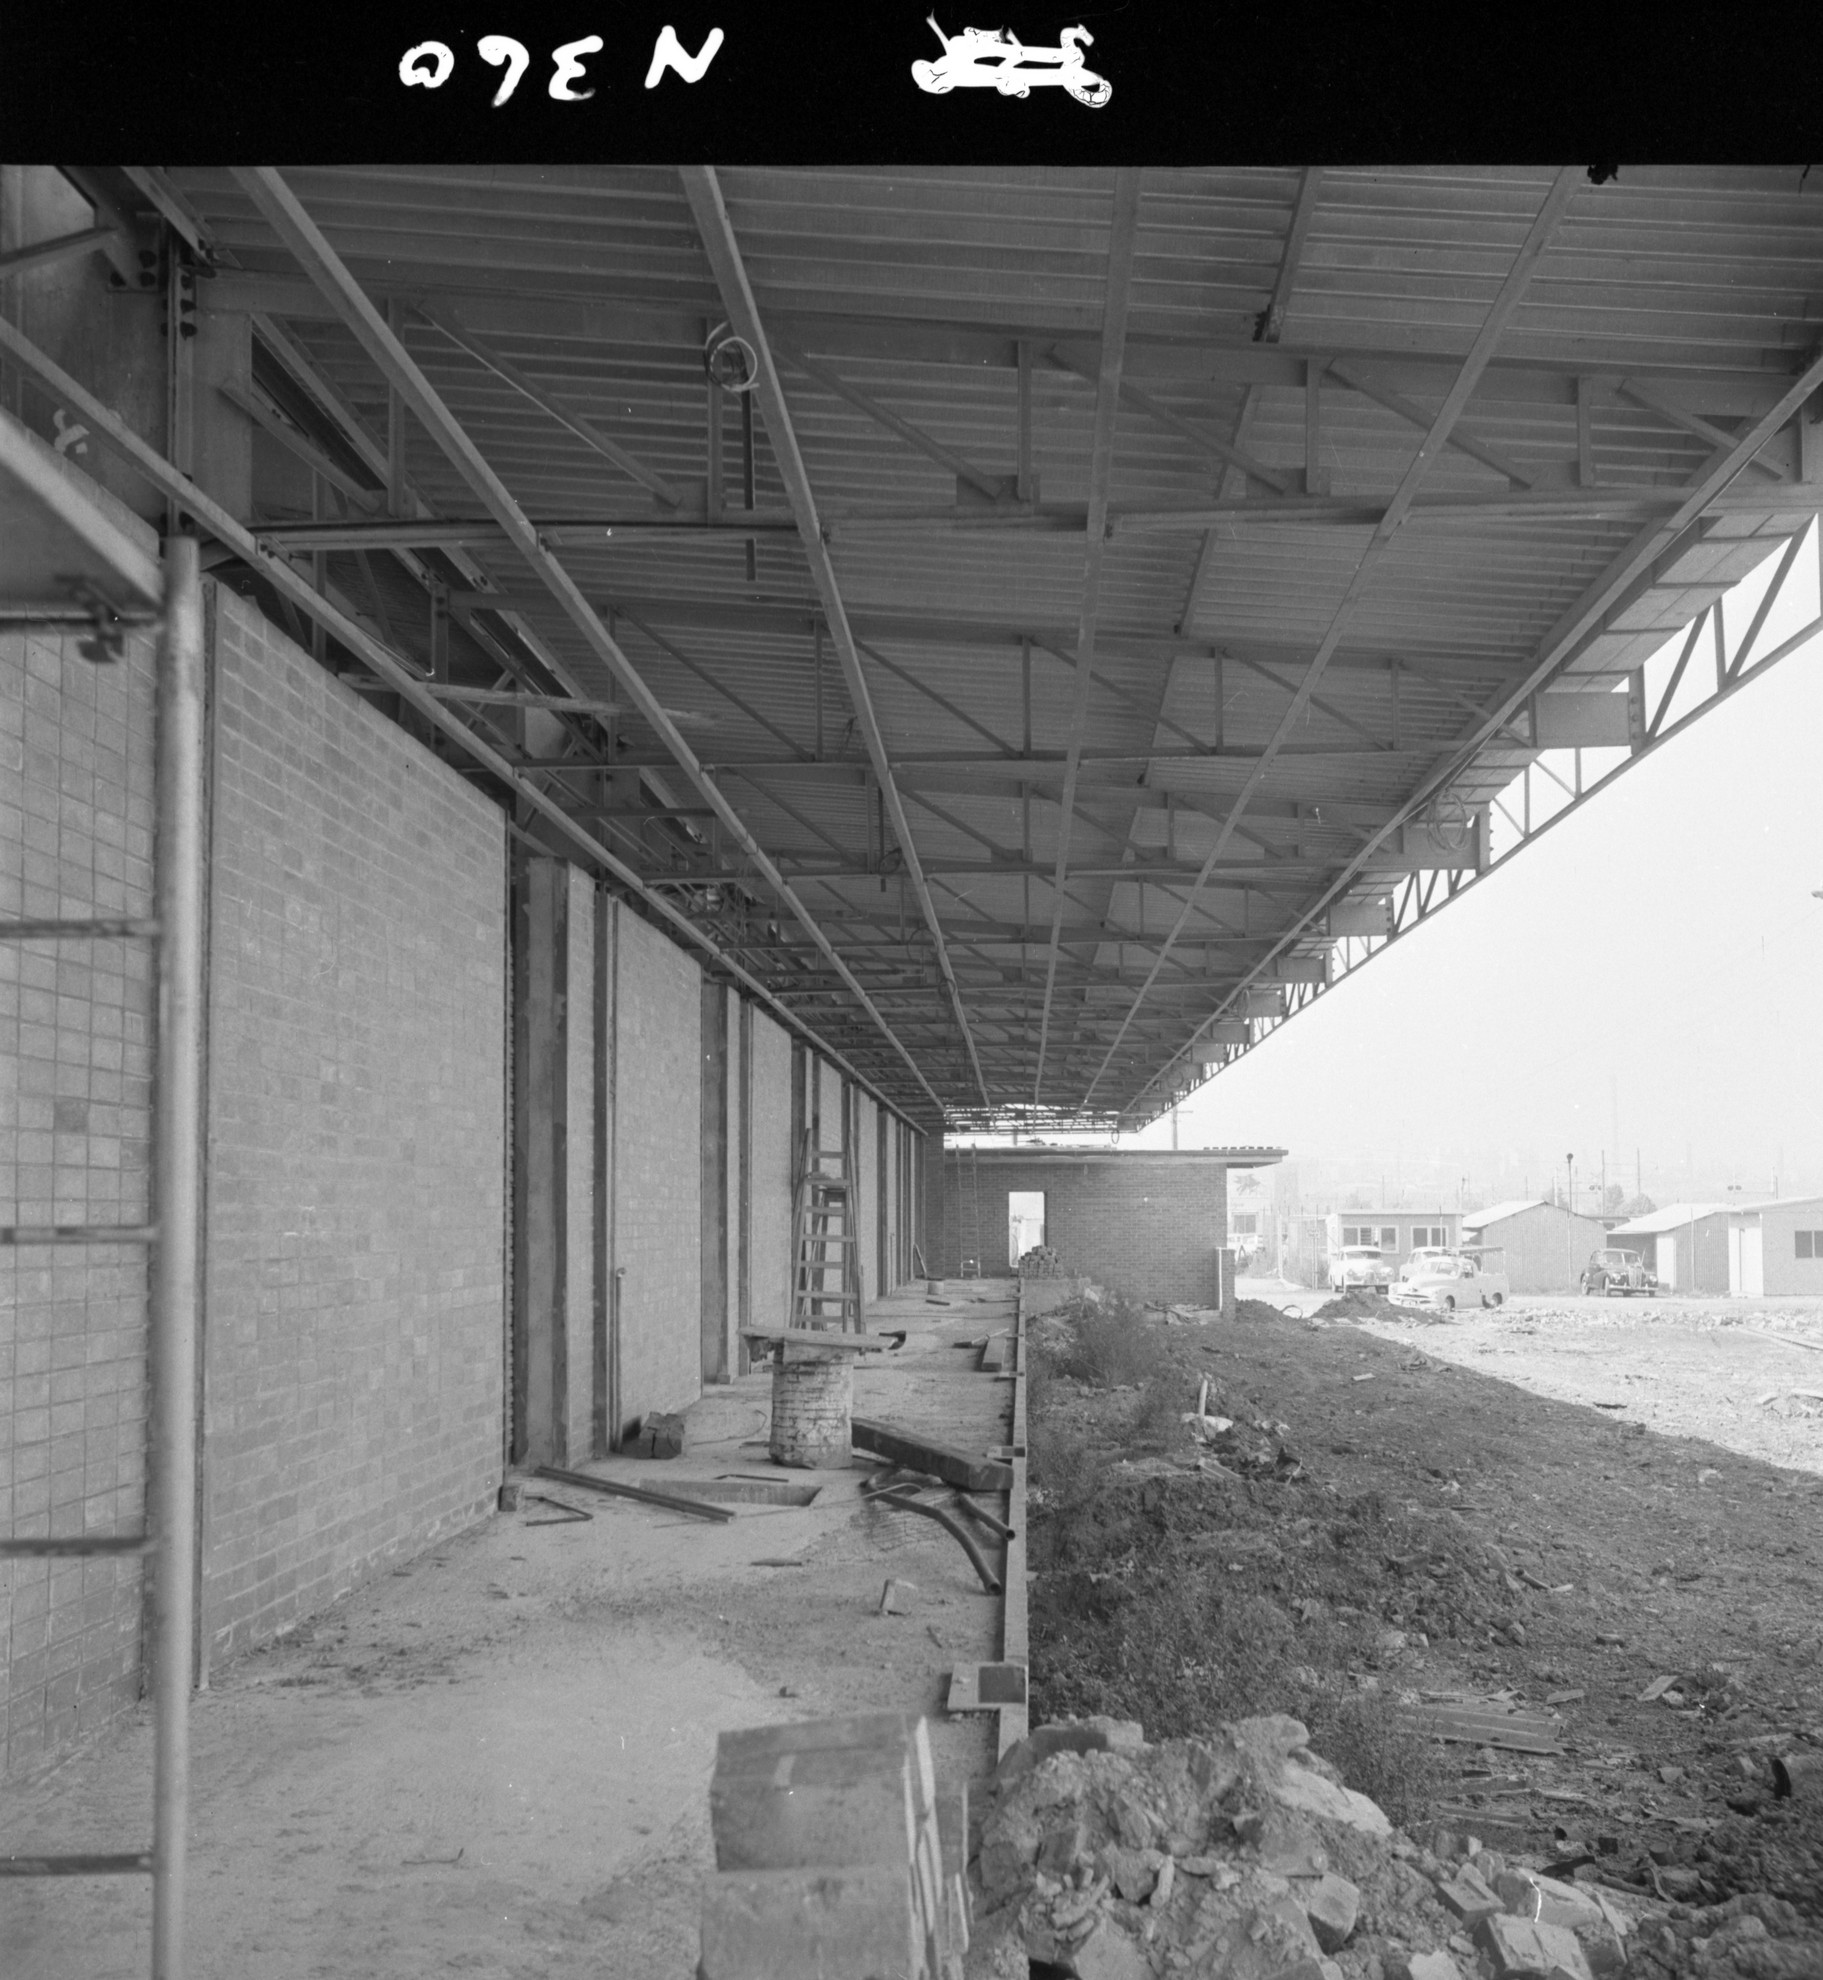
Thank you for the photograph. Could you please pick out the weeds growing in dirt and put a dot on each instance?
(1133, 1611)
(1104, 1344)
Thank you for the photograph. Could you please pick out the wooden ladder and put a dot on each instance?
(968, 1214)
(827, 1267)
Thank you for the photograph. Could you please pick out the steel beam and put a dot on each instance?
(1268, 330)
(964, 470)
(1123, 229)
(703, 190)
(292, 588)
(41, 254)
(300, 234)
(1511, 293)
(1465, 443)
(445, 320)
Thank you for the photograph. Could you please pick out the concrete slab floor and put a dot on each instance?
(495, 1760)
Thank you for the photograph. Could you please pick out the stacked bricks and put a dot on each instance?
(354, 1271)
(812, 1409)
(76, 1022)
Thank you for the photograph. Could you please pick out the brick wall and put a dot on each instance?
(75, 1062)
(579, 1166)
(657, 1172)
(770, 1200)
(356, 1108)
(1144, 1223)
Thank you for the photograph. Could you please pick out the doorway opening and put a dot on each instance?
(1024, 1223)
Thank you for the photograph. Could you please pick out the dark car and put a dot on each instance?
(1622, 1272)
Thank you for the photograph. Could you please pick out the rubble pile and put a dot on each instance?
(1244, 1855)
(1777, 1851)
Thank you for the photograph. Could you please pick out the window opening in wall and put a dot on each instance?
(1024, 1222)
(1809, 1243)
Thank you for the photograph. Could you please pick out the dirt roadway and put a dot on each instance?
(1662, 1553)
(1686, 1368)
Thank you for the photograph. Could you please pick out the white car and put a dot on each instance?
(1441, 1281)
(1359, 1265)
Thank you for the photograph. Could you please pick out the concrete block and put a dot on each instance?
(1421, 1966)
(1097, 1735)
(1526, 1949)
(1468, 1895)
(898, 1598)
(784, 1924)
(661, 1434)
(1108, 1953)
(1332, 1905)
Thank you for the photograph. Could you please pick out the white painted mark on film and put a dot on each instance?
(413, 72)
(498, 48)
(431, 63)
(991, 58)
(568, 59)
(670, 54)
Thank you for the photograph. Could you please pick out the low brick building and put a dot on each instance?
(1153, 1222)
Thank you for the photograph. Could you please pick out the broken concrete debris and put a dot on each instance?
(1243, 1855)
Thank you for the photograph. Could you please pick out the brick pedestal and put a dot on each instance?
(812, 1403)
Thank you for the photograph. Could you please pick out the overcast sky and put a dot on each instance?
(1646, 976)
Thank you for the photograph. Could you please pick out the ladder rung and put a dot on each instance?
(80, 1543)
(78, 1233)
(75, 1866)
(71, 931)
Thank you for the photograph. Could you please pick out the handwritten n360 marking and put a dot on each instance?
(430, 64)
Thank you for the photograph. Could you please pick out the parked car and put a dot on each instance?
(1441, 1281)
(1611, 1270)
(1359, 1265)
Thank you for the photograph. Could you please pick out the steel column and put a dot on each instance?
(176, 1170)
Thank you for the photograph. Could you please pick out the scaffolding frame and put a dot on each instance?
(172, 1231)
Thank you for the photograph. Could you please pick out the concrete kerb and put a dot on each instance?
(1015, 1720)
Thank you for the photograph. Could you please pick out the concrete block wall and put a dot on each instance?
(770, 1197)
(354, 1286)
(1150, 1224)
(75, 1095)
(657, 1168)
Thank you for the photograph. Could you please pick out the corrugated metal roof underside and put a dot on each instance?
(1668, 312)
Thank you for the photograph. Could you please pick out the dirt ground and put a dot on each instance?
(494, 1760)
(1452, 1498)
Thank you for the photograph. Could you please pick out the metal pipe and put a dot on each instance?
(177, 1139)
